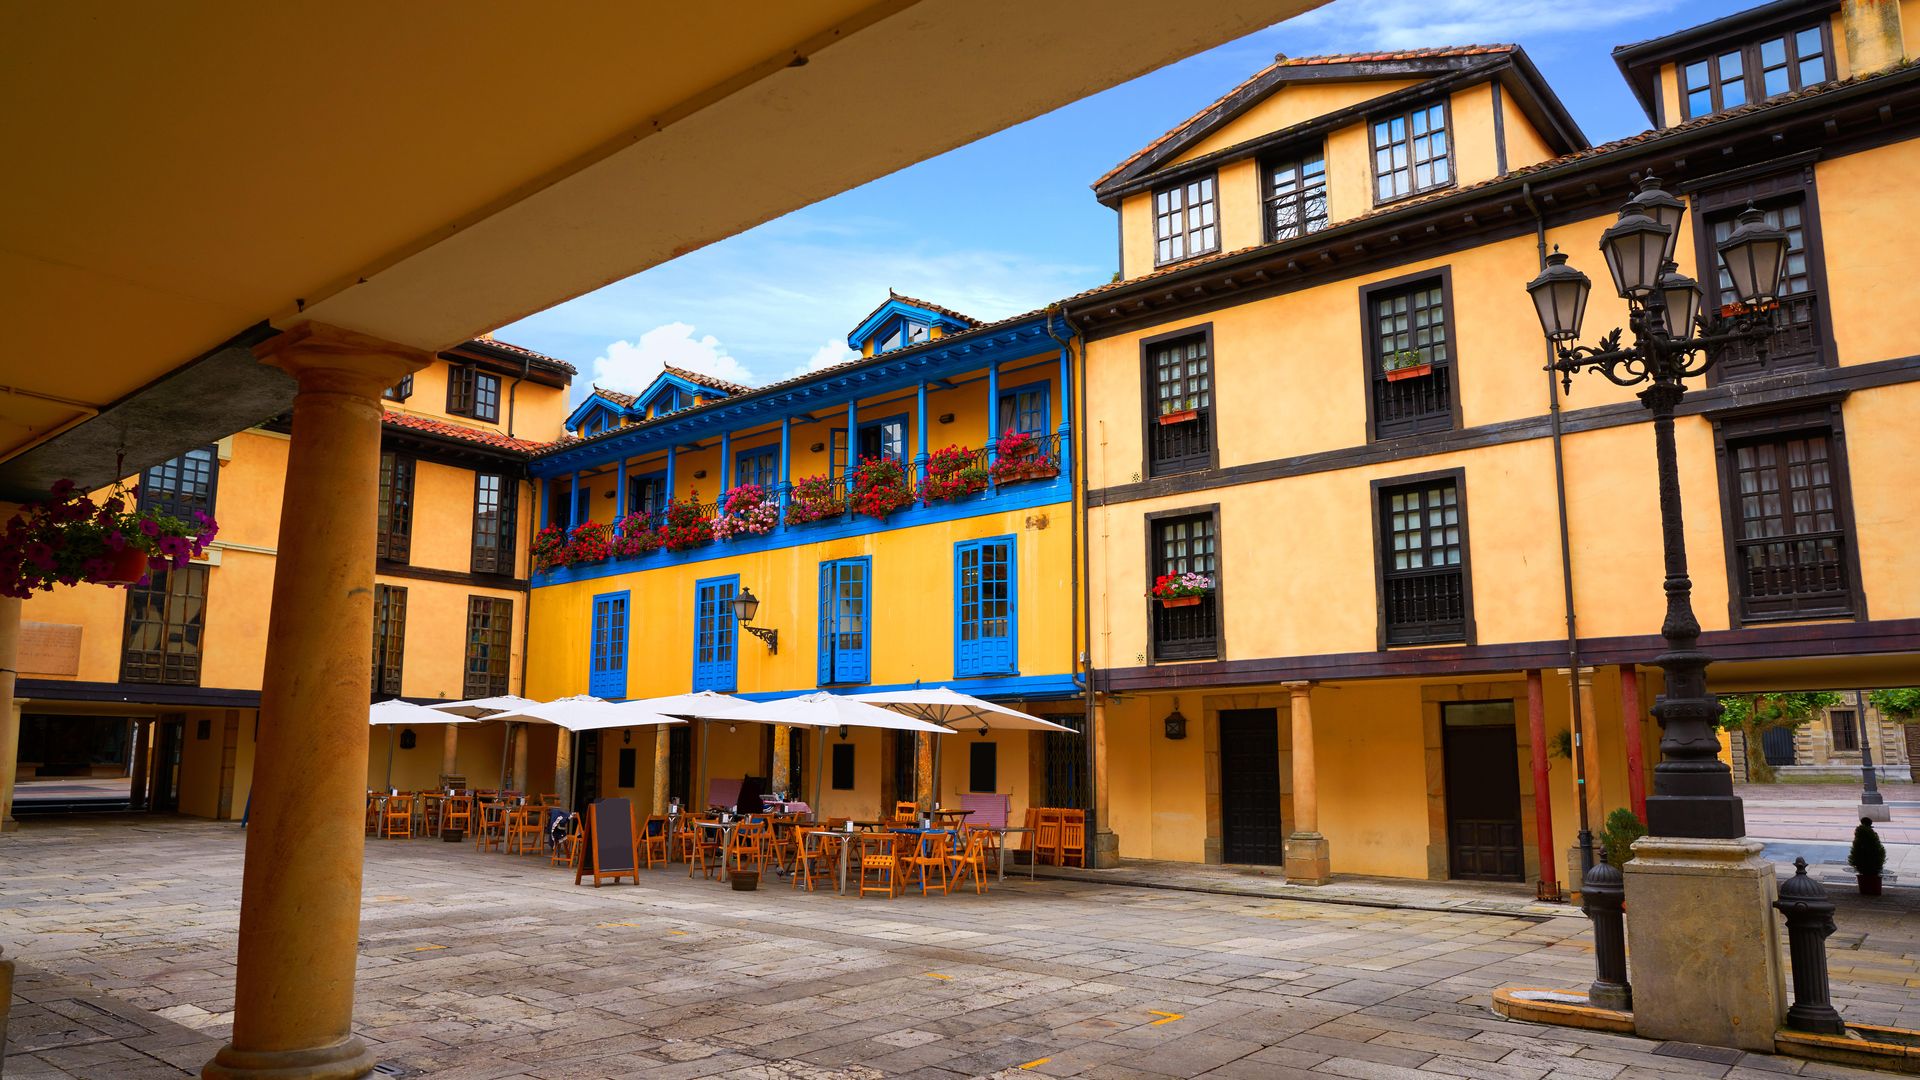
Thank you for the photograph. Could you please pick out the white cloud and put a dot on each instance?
(1400, 24)
(629, 365)
(826, 356)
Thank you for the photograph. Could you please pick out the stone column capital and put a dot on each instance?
(1300, 686)
(327, 358)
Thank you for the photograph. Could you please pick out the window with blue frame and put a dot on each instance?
(647, 492)
(583, 506)
(607, 666)
(1026, 408)
(846, 640)
(756, 466)
(884, 438)
(715, 635)
(984, 640)
(837, 452)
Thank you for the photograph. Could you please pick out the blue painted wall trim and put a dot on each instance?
(1024, 496)
(1006, 688)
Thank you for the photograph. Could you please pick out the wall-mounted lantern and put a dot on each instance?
(1175, 722)
(745, 607)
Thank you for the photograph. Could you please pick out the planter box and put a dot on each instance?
(1414, 372)
(1180, 417)
(453, 836)
(744, 880)
(1180, 601)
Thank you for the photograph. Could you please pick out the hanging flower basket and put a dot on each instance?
(127, 568)
(67, 539)
(1181, 417)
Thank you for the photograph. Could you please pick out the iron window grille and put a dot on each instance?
(1187, 544)
(1790, 545)
(166, 621)
(1411, 153)
(1185, 221)
(1846, 736)
(1180, 413)
(1423, 563)
(1296, 196)
(389, 638)
(393, 532)
(1411, 359)
(489, 636)
(1798, 339)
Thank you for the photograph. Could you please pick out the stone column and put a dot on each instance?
(925, 784)
(782, 763)
(449, 750)
(563, 767)
(10, 709)
(1106, 843)
(300, 896)
(1590, 751)
(662, 769)
(1307, 856)
(519, 736)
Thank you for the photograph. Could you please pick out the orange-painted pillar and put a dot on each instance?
(300, 892)
(1631, 724)
(1542, 795)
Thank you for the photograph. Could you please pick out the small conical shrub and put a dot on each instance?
(1618, 833)
(1868, 856)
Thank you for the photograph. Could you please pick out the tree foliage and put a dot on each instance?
(1752, 714)
(1902, 704)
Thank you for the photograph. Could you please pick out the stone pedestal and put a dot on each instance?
(1106, 850)
(1703, 942)
(1875, 812)
(1306, 859)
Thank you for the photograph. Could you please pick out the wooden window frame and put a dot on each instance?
(1185, 232)
(1736, 426)
(1729, 193)
(1150, 402)
(175, 667)
(1851, 727)
(401, 390)
(497, 545)
(393, 536)
(460, 390)
(1372, 361)
(1445, 104)
(1377, 492)
(1153, 522)
(1751, 71)
(494, 684)
(1271, 200)
(169, 501)
(390, 647)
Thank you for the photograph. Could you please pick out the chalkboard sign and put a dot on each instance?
(612, 850)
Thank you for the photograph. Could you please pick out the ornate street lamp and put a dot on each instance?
(1692, 790)
(745, 607)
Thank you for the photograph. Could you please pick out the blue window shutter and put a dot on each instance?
(607, 664)
(829, 606)
(985, 620)
(966, 606)
(715, 637)
(846, 640)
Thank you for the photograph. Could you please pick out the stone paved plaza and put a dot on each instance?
(484, 966)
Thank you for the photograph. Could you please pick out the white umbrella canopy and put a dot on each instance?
(579, 712)
(699, 705)
(620, 714)
(831, 710)
(396, 711)
(946, 706)
(484, 708)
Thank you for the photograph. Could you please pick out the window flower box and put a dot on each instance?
(687, 524)
(1181, 590)
(637, 536)
(1020, 457)
(953, 472)
(746, 511)
(1406, 364)
(66, 539)
(1179, 417)
(880, 487)
(816, 498)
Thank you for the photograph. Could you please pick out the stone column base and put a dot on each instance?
(342, 1061)
(1307, 859)
(1875, 812)
(1703, 941)
(1106, 850)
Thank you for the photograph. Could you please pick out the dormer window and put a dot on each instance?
(1296, 195)
(1185, 223)
(1733, 76)
(1411, 153)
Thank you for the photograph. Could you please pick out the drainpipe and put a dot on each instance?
(513, 392)
(1566, 567)
(1082, 582)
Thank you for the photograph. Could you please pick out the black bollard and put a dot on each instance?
(1603, 896)
(1809, 920)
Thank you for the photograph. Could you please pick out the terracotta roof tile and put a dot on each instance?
(708, 381)
(625, 401)
(1648, 136)
(933, 307)
(448, 430)
(520, 350)
(1283, 61)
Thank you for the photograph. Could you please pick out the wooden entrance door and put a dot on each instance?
(1250, 787)
(1483, 792)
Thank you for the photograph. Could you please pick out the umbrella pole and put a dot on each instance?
(506, 737)
(703, 767)
(819, 767)
(389, 757)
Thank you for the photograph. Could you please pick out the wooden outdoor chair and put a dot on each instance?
(457, 813)
(398, 819)
(654, 840)
(433, 812)
(1046, 836)
(525, 832)
(972, 859)
(906, 813)
(929, 854)
(568, 849)
(780, 842)
(373, 814)
(749, 842)
(699, 847)
(821, 856)
(492, 831)
(1073, 837)
(880, 863)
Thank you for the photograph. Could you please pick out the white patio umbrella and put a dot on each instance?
(395, 712)
(484, 708)
(824, 711)
(956, 711)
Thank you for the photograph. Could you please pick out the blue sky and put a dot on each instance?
(1008, 223)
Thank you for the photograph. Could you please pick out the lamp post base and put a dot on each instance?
(1708, 817)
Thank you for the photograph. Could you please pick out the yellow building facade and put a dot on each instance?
(903, 519)
(160, 683)
(1319, 389)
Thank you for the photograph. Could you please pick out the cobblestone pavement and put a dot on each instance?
(488, 967)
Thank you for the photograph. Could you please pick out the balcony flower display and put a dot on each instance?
(953, 472)
(880, 487)
(815, 498)
(66, 539)
(1181, 590)
(687, 524)
(588, 543)
(550, 548)
(1022, 457)
(748, 510)
(636, 536)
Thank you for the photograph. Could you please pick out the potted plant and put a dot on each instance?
(1181, 590)
(815, 498)
(635, 535)
(588, 543)
(880, 487)
(1867, 857)
(1406, 364)
(550, 548)
(953, 472)
(687, 525)
(1019, 458)
(746, 511)
(67, 539)
(1171, 415)
(1618, 833)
